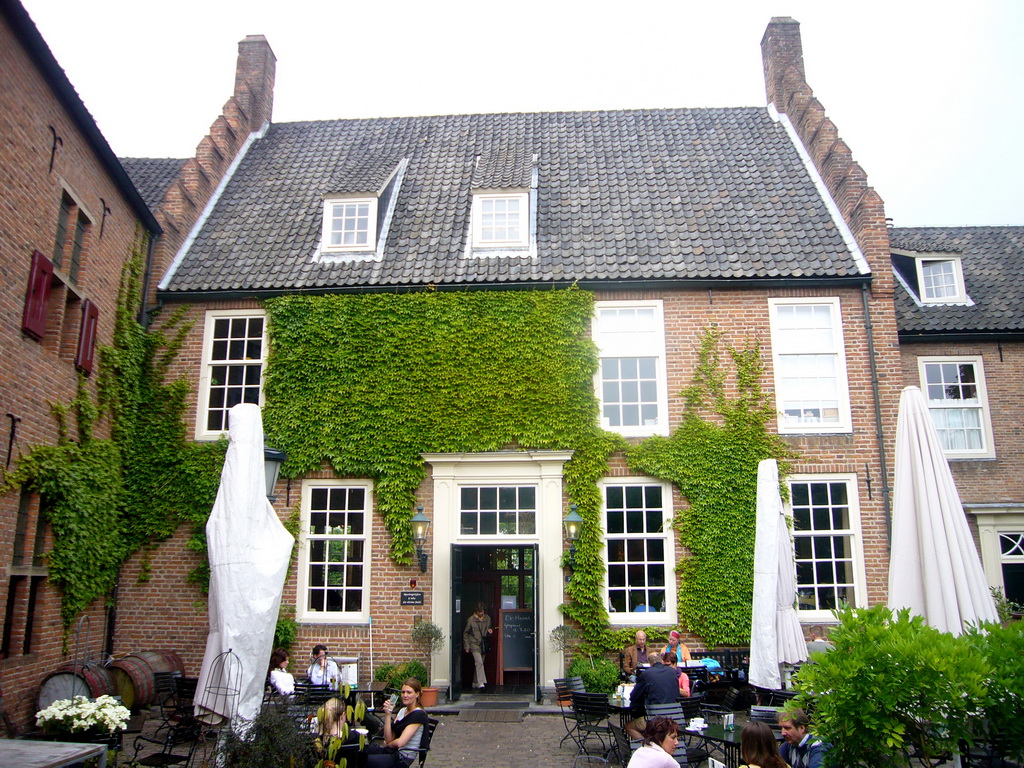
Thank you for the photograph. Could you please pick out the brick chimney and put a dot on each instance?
(254, 80)
(249, 108)
(785, 84)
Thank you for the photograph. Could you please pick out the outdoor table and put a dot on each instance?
(24, 753)
(725, 743)
(621, 706)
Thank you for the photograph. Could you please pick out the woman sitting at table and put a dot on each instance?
(661, 736)
(278, 676)
(403, 731)
(669, 659)
(758, 747)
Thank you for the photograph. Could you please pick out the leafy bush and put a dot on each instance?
(599, 674)
(395, 674)
(272, 740)
(894, 686)
(287, 629)
(1003, 648)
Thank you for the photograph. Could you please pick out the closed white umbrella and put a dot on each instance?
(775, 634)
(249, 550)
(934, 568)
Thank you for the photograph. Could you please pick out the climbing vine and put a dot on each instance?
(712, 457)
(369, 382)
(104, 498)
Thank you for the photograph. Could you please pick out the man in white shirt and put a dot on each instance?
(323, 670)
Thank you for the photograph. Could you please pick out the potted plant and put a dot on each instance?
(429, 638)
(81, 718)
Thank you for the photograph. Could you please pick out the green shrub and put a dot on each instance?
(287, 629)
(893, 686)
(1003, 648)
(599, 674)
(395, 674)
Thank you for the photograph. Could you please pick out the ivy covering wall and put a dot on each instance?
(370, 382)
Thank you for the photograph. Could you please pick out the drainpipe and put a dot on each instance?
(879, 435)
(144, 318)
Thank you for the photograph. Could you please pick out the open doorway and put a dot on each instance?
(504, 579)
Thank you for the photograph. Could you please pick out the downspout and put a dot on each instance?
(144, 318)
(879, 435)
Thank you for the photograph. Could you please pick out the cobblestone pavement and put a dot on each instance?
(531, 743)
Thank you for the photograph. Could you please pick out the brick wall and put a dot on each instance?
(34, 374)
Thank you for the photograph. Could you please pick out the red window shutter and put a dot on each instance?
(87, 337)
(40, 278)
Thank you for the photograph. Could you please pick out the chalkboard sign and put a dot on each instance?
(517, 638)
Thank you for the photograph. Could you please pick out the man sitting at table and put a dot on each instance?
(799, 748)
(323, 670)
(656, 685)
(635, 656)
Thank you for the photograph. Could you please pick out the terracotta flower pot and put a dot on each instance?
(428, 697)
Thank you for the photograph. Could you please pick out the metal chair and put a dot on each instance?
(692, 706)
(425, 739)
(692, 748)
(624, 746)
(563, 695)
(591, 712)
(726, 707)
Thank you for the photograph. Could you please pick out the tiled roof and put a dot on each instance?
(992, 259)
(682, 194)
(151, 175)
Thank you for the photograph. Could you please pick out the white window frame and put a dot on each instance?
(844, 423)
(987, 451)
(959, 297)
(993, 521)
(637, 618)
(302, 612)
(205, 375)
(817, 616)
(498, 534)
(624, 344)
(479, 200)
(328, 218)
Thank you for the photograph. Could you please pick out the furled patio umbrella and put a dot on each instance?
(934, 568)
(248, 549)
(775, 634)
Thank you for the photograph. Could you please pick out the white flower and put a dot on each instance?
(81, 714)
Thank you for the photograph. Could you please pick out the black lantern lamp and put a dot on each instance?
(272, 461)
(572, 523)
(420, 523)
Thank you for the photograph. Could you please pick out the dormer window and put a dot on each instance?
(350, 224)
(501, 219)
(941, 281)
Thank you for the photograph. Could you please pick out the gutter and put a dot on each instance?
(957, 337)
(32, 41)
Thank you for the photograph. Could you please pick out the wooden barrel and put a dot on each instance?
(72, 679)
(134, 676)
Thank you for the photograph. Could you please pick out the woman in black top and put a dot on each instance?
(403, 731)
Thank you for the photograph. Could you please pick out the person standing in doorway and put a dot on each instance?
(474, 640)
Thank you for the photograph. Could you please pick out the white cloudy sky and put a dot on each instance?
(928, 94)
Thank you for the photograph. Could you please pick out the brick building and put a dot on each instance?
(755, 221)
(958, 308)
(69, 220)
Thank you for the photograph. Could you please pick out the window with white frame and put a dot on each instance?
(631, 381)
(638, 551)
(501, 219)
(811, 390)
(941, 281)
(350, 224)
(503, 510)
(335, 553)
(234, 352)
(826, 541)
(1011, 551)
(958, 403)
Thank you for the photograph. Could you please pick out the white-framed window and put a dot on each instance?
(941, 280)
(334, 556)
(1001, 534)
(234, 352)
(638, 551)
(631, 381)
(811, 390)
(827, 544)
(498, 510)
(350, 224)
(958, 403)
(501, 219)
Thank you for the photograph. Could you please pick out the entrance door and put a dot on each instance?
(503, 578)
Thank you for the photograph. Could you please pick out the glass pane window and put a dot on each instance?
(336, 551)
(631, 381)
(637, 548)
(810, 366)
(501, 219)
(350, 223)
(498, 510)
(823, 544)
(957, 405)
(939, 280)
(235, 366)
